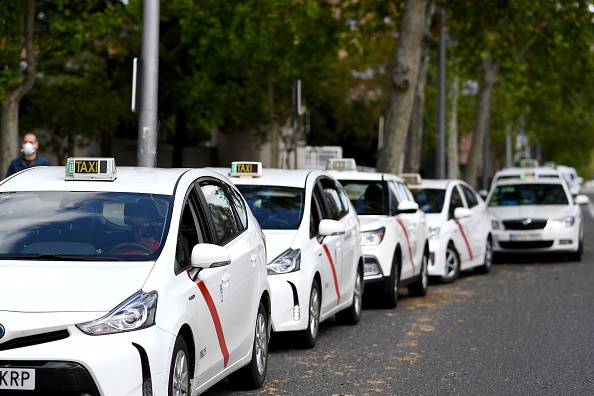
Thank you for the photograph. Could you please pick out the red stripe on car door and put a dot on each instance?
(410, 253)
(465, 239)
(215, 318)
(333, 270)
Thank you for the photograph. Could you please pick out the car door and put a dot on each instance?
(236, 290)
(478, 223)
(410, 224)
(461, 229)
(209, 305)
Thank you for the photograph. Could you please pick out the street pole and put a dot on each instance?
(296, 119)
(149, 85)
(441, 101)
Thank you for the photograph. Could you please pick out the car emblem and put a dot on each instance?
(526, 221)
(2, 331)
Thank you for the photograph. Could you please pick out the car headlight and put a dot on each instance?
(135, 313)
(434, 232)
(372, 238)
(557, 224)
(288, 261)
(495, 225)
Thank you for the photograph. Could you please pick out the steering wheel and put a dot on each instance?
(275, 222)
(130, 249)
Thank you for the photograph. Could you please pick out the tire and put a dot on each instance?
(179, 370)
(352, 314)
(452, 265)
(485, 268)
(391, 291)
(420, 286)
(310, 335)
(252, 376)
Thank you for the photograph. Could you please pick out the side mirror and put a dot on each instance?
(331, 227)
(408, 207)
(581, 199)
(206, 255)
(460, 213)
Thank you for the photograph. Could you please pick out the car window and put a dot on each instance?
(219, 204)
(368, 197)
(528, 194)
(90, 225)
(315, 217)
(239, 205)
(455, 202)
(335, 205)
(191, 232)
(430, 200)
(470, 196)
(275, 207)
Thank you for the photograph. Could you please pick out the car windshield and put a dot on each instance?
(275, 207)
(528, 194)
(368, 197)
(430, 200)
(68, 225)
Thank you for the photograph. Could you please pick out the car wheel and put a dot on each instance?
(352, 314)
(252, 376)
(179, 371)
(310, 335)
(452, 264)
(391, 291)
(488, 262)
(420, 286)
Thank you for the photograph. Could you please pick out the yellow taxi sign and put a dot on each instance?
(341, 164)
(246, 169)
(412, 178)
(89, 168)
(529, 163)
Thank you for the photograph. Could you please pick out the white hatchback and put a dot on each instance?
(129, 281)
(459, 227)
(537, 216)
(394, 232)
(315, 265)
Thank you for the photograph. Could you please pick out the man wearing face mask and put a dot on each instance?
(29, 158)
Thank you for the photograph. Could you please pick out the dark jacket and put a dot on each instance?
(18, 164)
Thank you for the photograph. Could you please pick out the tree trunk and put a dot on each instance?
(453, 159)
(404, 80)
(414, 140)
(490, 78)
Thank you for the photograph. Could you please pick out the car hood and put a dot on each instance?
(277, 241)
(434, 219)
(371, 223)
(62, 287)
(529, 211)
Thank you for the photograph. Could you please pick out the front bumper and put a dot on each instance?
(290, 302)
(536, 241)
(117, 364)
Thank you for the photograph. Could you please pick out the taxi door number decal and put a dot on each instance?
(465, 239)
(216, 320)
(410, 253)
(333, 270)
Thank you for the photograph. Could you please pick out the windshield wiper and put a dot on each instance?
(56, 257)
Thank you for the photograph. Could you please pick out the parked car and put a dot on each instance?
(315, 261)
(394, 232)
(536, 215)
(459, 226)
(129, 281)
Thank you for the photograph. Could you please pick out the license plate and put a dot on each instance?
(525, 237)
(14, 378)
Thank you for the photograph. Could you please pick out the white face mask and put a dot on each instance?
(28, 148)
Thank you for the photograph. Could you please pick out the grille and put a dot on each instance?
(526, 244)
(524, 224)
(34, 340)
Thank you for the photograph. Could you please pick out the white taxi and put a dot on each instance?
(537, 215)
(315, 262)
(394, 233)
(459, 226)
(129, 281)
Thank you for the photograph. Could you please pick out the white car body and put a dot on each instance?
(307, 245)
(394, 236)
(459, 227)
(526, 220)
(540, 172)
(56, 302)
(570, 175)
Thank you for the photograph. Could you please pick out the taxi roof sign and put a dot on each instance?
(529, 163)
(412, 178)
(341, 164)
(89, 168)
(246, 169)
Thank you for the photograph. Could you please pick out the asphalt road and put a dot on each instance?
(526, 328)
